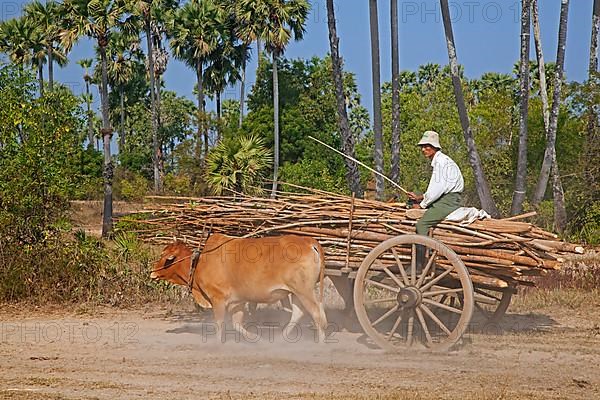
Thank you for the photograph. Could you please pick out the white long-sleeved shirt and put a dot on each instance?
(445, 178)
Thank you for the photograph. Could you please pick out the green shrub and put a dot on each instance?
(80, 268)
(130, 186)
(179, 185)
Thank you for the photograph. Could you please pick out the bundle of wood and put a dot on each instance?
(498, 253)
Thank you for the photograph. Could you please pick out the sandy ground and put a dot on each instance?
(167, 353)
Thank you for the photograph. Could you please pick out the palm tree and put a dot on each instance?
(248, 29)
(238, 165)
(120, 71)
(47, 18)
(496, 81)
(277, 21)
(195, 30)
(352, 173)
(558, 192)
(407, 80)
(521, 176)
(427, 75)
(395, 170)
(18, 35)
(142, 9)
(96, 19)
(223, 69)
(86, 64)
(483, 188)
(376, 81)
(550, 153)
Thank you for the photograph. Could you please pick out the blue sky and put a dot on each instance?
(486, 33)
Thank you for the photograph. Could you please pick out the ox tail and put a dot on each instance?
(319, 251)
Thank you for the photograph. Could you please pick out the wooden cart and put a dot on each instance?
(400, 306)
(370, 250)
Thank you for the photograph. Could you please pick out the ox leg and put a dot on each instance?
(219, 310)
(316, 311)
(297, 313)
(237, 318)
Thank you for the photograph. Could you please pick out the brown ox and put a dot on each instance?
(232, 271)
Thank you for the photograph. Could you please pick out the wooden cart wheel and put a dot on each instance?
(491, 304)
(400, 305)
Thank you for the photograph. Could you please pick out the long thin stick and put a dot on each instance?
(360, 163)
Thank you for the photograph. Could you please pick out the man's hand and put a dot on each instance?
(416, 205)
(415, 197)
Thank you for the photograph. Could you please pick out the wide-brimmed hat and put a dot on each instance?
(432, 138)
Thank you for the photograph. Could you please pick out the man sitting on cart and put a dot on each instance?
(443, 194)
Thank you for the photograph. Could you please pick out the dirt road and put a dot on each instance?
(166, 354)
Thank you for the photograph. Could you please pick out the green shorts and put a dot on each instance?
(437, 211)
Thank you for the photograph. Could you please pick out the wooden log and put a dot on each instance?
(557, 246)
(501, 255)
(521, 216)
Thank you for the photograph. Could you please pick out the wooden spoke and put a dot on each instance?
(413, 264)
(382, 285)
(386, 315)
(394, 277)
(423, 325)
(435, 319)
(442, 291)
(411, 323)
(396, 324)
(436, 279)
(401, 267)
(428, 321)
(379, 301)
(426, 269)
(440, 305)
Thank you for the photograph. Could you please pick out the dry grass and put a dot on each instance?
(575, 286)
(570, 298)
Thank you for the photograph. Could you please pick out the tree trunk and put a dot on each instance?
(592, 170)
(200, 94)
(242, 94)
(50, 51)
(40, 68)
(155, 145)
(483, 188)
(541, 63)
(376, 81)
(551, 142)
(89, 115)
(122, 105)
(158, 100)
(275, 126)
(521, 177)
(560, 212)
(258, 49)
(106, 137)
(395, 170)
(159, 155)
(352, 172)
(218, 104)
